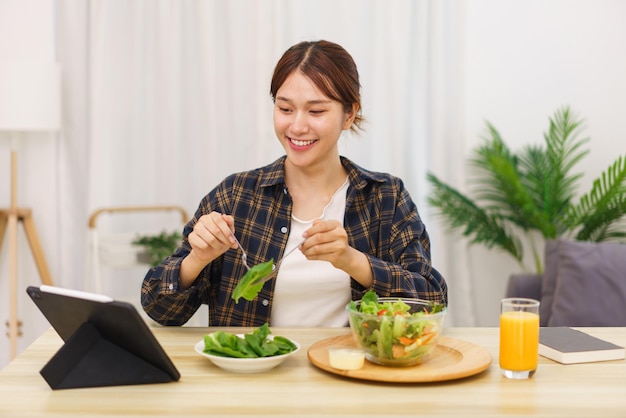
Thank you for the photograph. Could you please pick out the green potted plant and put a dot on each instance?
(518, 198)
(158, 246)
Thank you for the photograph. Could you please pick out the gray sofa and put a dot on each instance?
(583, 284)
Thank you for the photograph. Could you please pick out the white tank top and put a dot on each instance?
(311, 293)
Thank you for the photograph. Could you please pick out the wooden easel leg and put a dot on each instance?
(35, 247)
(14, 327)
(4, 218)
(12, 218)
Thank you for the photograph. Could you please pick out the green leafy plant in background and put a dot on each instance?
(159, 246)
(518, 197)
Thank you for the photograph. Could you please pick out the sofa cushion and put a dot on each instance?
(590, 287)
(548, 284)
(524, 285)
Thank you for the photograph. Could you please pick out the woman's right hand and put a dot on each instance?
(211, 237)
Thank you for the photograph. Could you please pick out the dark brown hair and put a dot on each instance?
(329, 67)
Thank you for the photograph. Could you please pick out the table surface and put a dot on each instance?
(298, 388)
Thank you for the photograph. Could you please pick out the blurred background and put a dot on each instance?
(161, 99)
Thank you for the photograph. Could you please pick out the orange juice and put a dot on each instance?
(519, 340)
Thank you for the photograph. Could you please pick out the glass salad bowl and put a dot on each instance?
(395, 331)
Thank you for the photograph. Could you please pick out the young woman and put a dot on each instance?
(355, 229)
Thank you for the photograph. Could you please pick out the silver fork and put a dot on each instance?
(287, 253)
(277, 265)
(244, 256)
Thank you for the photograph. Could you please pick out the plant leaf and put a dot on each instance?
(504, 188)
(533, 191)
(159, 246)
(598, 213)
(462, 213)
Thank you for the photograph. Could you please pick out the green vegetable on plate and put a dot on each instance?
(252, 345)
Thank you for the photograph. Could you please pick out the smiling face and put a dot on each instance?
(308, 123)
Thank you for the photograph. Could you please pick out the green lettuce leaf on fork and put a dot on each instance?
(252, 282)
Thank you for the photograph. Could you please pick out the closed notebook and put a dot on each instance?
(567, 345)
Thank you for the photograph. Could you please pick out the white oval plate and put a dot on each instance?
(245, 365)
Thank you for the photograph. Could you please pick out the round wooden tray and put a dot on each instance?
(451, 359)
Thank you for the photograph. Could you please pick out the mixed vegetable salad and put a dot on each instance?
(389, 330)
(252, 345)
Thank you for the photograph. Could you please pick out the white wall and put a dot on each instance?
(523, 60)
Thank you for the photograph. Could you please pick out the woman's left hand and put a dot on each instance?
(327, 240)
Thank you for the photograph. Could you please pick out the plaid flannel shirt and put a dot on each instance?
(381, 221)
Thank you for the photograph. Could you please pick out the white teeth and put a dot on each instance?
(300, 143)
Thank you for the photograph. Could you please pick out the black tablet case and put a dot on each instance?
(106, 344)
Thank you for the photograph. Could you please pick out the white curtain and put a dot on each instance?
(162, 99)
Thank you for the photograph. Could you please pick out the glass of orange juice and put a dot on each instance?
(519, 337)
